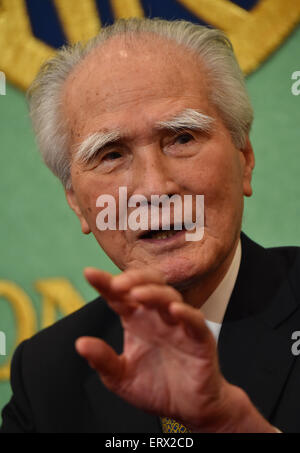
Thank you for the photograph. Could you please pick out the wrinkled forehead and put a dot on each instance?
(133, 52)
(123, 71)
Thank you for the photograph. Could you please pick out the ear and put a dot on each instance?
(248, 163)
(73, 203)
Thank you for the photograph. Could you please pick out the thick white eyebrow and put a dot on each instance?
(93, 143)
(188, 119)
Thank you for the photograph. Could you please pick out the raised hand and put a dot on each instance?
(169, 365)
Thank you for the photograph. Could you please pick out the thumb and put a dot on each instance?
(103, 359)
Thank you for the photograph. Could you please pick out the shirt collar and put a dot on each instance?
(215, 306)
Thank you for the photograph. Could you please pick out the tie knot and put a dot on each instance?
(172, 426)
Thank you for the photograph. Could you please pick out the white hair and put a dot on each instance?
(228, 92)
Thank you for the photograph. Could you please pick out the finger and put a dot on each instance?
(101, 281)
(133, 277)
(103, 359)
(157, 297)
(192, 320)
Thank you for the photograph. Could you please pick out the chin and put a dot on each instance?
(193, 266)
(181, 272)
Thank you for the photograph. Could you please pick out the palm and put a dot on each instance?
(166, 371)
(169, 364)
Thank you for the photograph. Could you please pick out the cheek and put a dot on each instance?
(88, 205)
(205, 177)
(88, 188)
(113, 243)
(217, 176)
(217, 171)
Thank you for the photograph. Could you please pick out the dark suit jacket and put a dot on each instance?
(54, 390)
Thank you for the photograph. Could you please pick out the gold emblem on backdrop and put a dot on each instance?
(57, 294)
(255, 34)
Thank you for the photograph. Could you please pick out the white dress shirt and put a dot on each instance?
(215, 306)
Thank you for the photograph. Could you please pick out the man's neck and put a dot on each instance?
(202, 294)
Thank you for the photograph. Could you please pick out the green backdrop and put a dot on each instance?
(41, 238)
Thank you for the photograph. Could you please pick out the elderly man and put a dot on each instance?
(192, 335)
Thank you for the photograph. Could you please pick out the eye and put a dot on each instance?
(184, 138)
(181, 144)
(113, 155)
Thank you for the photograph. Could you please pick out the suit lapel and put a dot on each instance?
(114, 415)
(254, 342)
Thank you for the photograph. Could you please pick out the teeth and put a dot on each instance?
(164, 235)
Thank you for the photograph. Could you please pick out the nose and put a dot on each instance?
(153, 174)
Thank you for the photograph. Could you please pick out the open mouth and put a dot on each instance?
(162, 234)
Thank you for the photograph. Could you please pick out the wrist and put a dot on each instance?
(239, 415)
(235, 413)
